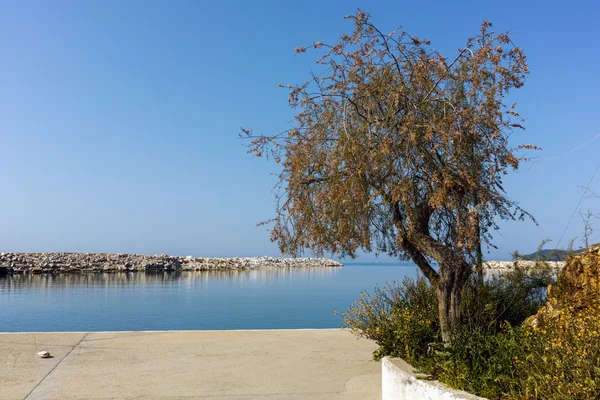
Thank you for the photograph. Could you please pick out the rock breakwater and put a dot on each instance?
(507, 265)
(15, 263)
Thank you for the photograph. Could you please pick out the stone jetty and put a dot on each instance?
(508, 265)
(16, 263)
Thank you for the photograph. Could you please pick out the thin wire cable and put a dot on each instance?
(573, 150)
(587, 188)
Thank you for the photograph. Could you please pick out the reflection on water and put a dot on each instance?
(246, 299)
(54, 281)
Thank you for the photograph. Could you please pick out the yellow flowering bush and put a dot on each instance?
(557, 361)
(562, 357)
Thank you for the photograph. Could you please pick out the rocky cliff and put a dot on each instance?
(99, 262)
(577, 287)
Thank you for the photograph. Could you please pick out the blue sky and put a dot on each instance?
(119, 120)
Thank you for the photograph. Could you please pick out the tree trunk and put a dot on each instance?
(479, 253)
(450, 278)
(449, 292)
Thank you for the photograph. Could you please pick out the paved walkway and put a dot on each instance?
(285, 364)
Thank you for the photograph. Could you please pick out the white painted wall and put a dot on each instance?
(399, 382)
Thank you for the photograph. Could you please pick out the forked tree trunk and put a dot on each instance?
(451, 276)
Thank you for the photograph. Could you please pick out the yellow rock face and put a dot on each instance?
(577, 286)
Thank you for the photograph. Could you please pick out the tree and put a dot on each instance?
(397, 149)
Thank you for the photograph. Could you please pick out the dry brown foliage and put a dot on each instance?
(397, 149)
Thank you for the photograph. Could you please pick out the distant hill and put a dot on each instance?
(549, 255)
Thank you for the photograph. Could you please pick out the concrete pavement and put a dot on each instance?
(277, 364)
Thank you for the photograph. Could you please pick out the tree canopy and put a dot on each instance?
(398, 149)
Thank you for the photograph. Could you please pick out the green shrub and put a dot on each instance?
(494, 355)
(480, 362)
(401, 319)
(482, 357)
(509, 297)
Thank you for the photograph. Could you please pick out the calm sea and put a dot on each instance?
(258, 299)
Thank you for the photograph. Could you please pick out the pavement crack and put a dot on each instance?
(53, 368)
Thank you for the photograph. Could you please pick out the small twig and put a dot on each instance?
(445, 72)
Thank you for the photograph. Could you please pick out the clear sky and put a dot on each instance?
(119, 119)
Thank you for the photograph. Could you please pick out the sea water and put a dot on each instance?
(287, 298)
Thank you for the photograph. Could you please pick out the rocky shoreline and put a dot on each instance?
(19, 263)
(50, 263)
(507, 265)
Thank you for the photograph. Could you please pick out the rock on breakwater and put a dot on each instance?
(15, 263)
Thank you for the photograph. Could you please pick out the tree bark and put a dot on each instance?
(422, 220)
(449, 291)
(453, 270)
(452, 275)
(479, 253)
(419, 259)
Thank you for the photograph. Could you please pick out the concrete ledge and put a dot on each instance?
(399, 382)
